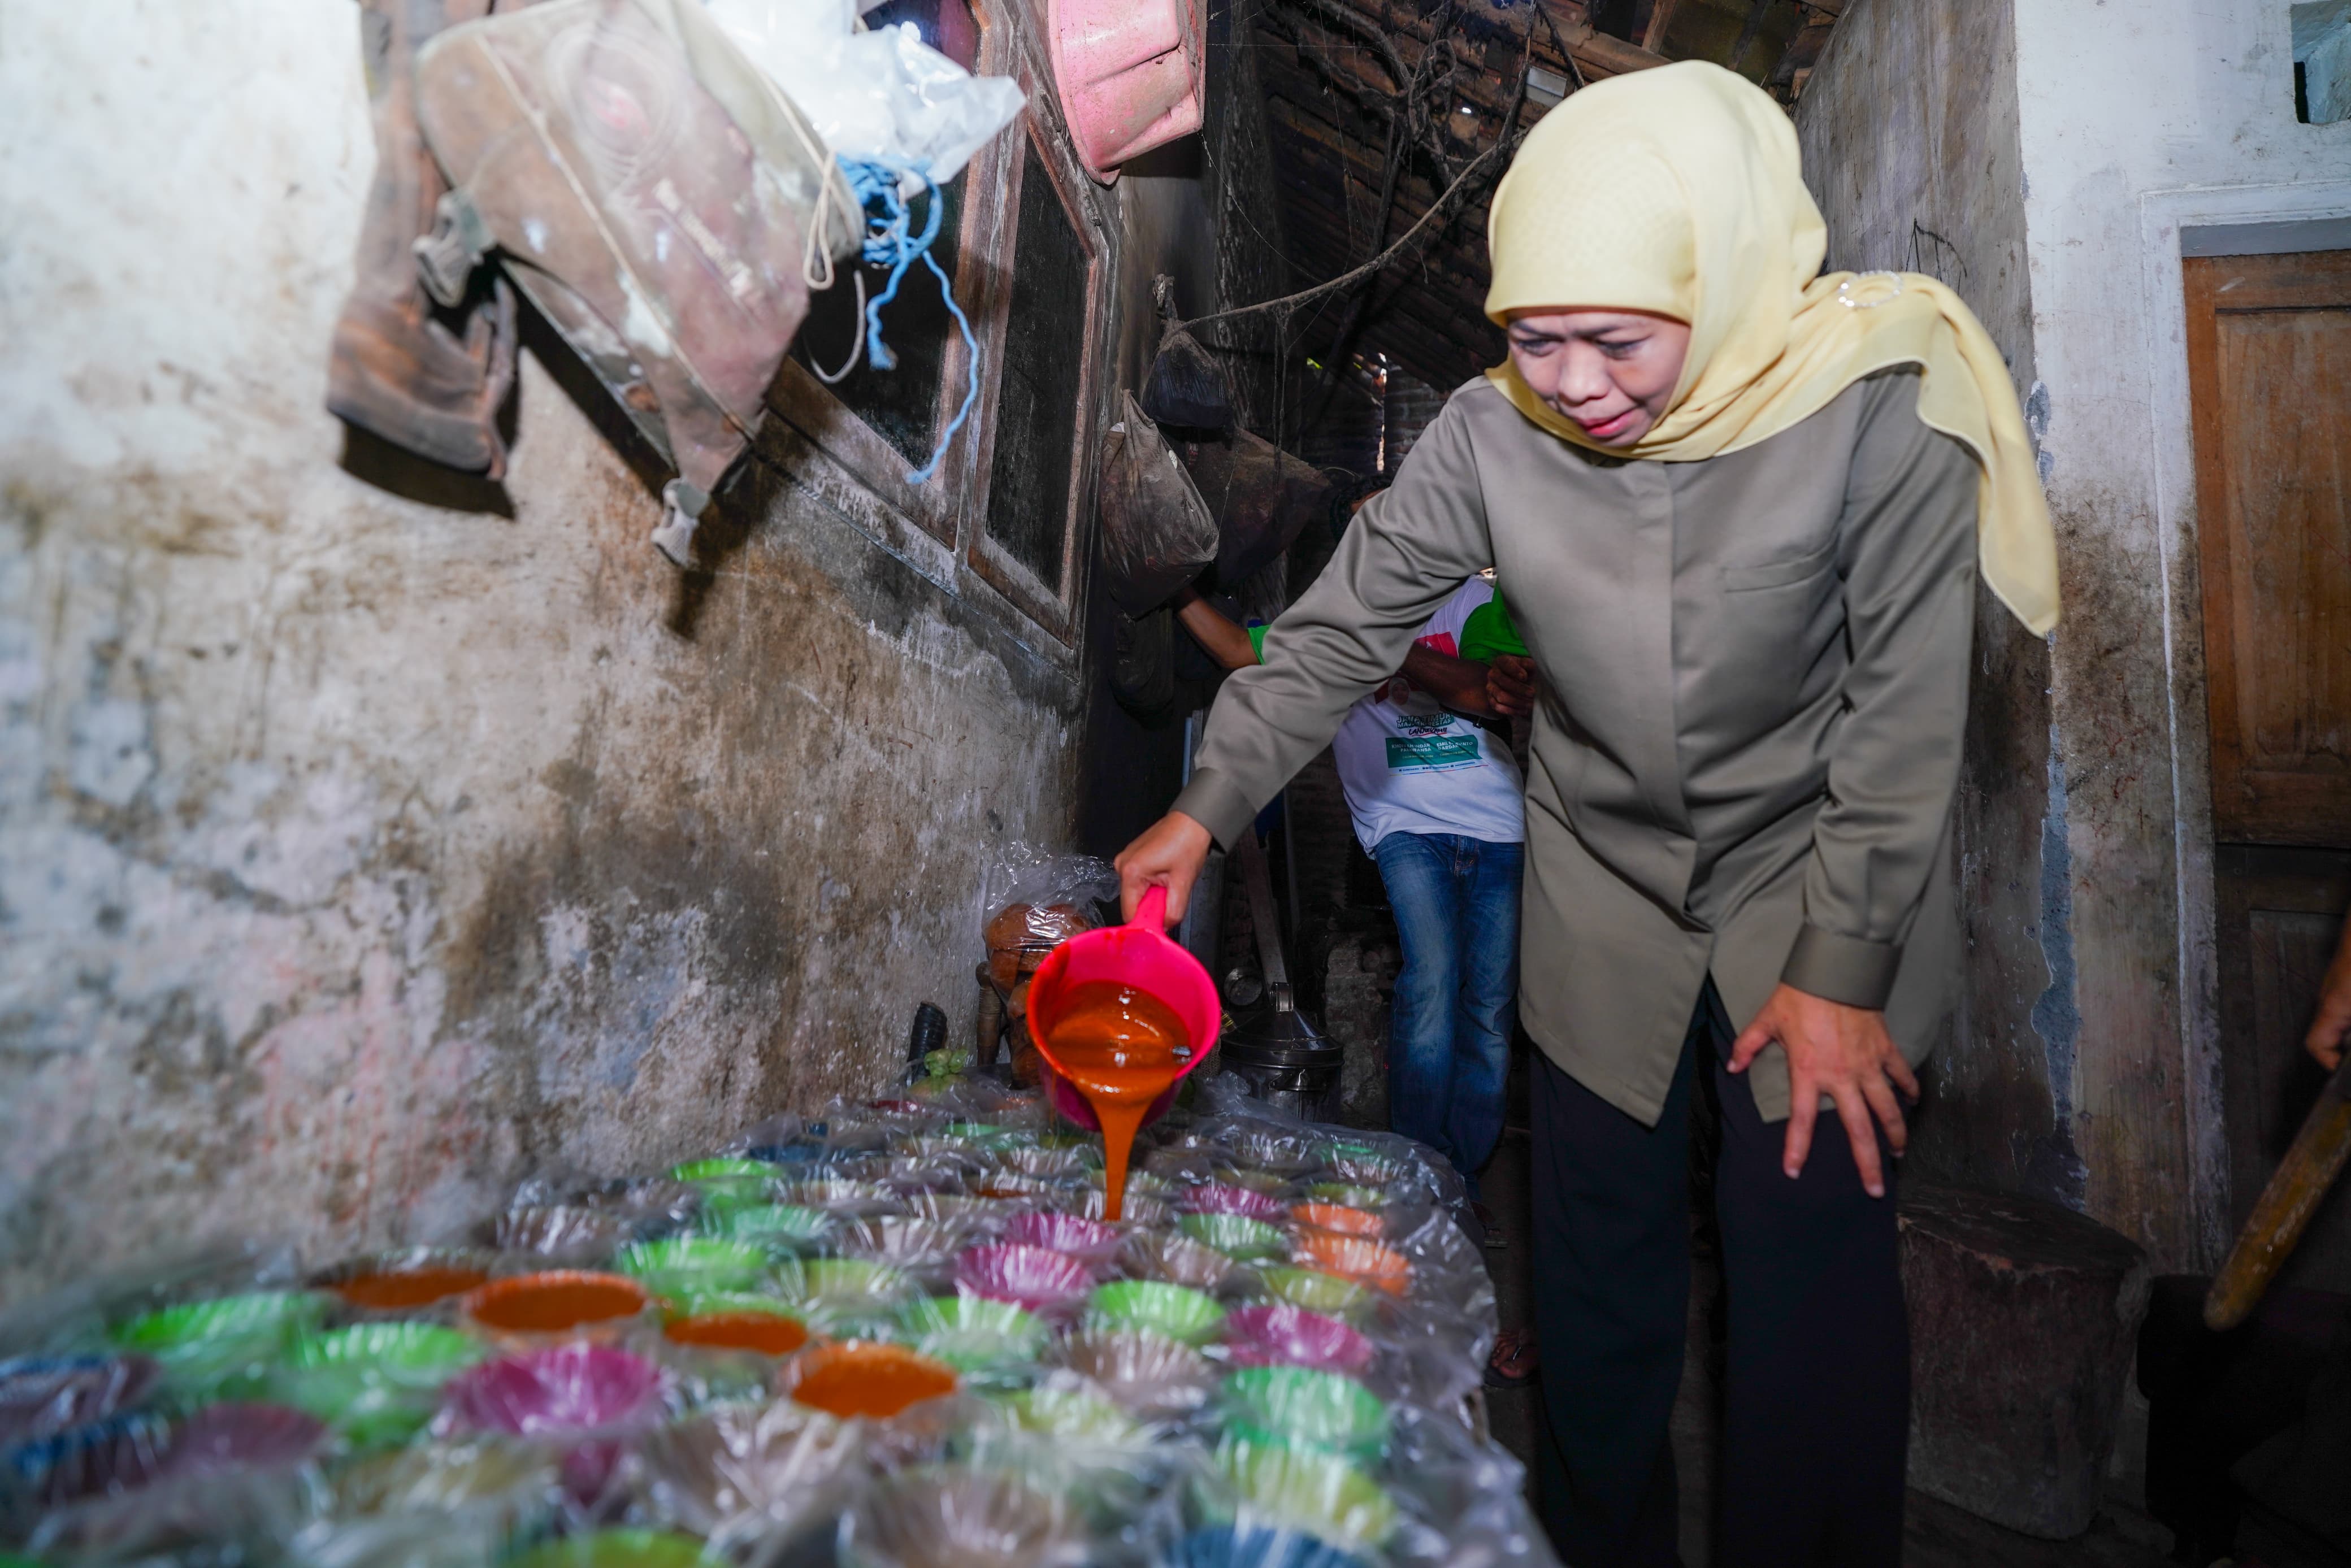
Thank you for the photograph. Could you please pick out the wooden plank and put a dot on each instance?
(1661, 20)
(1359, 70)
(2276, 915)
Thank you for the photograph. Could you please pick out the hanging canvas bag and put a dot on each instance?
(661, 201)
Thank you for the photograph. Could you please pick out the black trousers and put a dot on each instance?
(1817, 1403)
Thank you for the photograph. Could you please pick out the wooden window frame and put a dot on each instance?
(1051, 605)
(945, 520)
(841, 435)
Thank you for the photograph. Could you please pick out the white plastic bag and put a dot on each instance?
(882, 97)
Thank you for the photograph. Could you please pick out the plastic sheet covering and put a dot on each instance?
(745, 1472)
(1267, 1369)
(882, 97)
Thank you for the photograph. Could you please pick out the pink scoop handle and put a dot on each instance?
(1137, 954)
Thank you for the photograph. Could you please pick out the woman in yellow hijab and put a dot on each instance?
(1739, 509)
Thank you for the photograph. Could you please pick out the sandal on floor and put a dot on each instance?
(1513, 1363)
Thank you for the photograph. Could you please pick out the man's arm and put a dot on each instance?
(1459, 684)
(1226, 643)
(2332, 1026)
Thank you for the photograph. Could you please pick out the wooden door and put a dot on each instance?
(2269, 359)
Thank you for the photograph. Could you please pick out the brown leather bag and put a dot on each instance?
(396, 368)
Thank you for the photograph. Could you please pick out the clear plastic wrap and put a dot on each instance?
(912, 1341)
(1032, 901)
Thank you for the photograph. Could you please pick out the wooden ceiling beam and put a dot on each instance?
(1367, 79)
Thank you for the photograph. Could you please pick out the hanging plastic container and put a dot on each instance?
(1132, 75)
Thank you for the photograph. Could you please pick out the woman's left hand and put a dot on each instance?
(1839, 1051)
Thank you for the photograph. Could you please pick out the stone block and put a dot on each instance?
(2023, 1320)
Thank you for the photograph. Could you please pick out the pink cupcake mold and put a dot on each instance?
(1283, 1335)
(1030, 1277)
(1090, 1242)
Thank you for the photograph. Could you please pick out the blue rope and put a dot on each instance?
(890, 242)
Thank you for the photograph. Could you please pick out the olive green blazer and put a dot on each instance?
(1756, 673)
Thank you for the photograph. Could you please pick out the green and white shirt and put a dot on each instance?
(1410, 765)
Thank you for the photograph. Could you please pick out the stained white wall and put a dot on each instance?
(362, 853)
(2136, 119)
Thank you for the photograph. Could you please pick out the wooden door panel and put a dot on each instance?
(2278, 913)
(2270, 375)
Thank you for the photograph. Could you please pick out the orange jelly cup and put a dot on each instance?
(1338, 1218)
(1355, 1257)
(864, 1379)
(557, 1303)
(765, 1334)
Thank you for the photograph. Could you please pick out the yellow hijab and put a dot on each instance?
(1678, 190)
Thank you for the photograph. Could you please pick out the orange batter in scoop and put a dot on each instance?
(1118, 1046)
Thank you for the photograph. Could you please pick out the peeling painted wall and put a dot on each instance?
(360, 854)
(2089, 1036)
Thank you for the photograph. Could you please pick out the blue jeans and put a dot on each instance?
(1457, 912)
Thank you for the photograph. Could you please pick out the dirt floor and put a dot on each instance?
(1938, 1535)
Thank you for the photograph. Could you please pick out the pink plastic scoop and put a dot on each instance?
(1137, 954)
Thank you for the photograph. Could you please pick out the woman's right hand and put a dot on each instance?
(1169, 854)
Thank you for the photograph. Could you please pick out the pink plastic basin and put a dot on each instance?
(1137, 954)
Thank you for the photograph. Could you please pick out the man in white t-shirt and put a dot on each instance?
(1436, 799)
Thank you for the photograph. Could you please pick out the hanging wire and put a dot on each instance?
(891, 242)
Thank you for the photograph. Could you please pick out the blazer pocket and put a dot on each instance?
(1780, 573)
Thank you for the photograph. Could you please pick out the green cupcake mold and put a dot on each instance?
(1181, 1314)
(723, 1168)
(619, 1549)
(972, 1333)
(1316, 1291)
(1316, 1493)
(1234, 1236)
(683, 1264)
(1306, 1407)
(773, 1224)
(376, 1383)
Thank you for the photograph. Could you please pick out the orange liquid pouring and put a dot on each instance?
(1117, 1046)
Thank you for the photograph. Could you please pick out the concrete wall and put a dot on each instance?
(362, 853)
(1909, 133)
(2134, 123)
(2087, 821)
